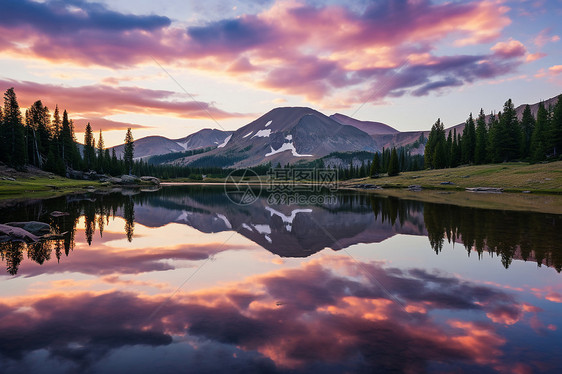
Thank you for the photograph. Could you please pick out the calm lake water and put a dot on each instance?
(183, 280)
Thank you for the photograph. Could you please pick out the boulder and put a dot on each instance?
(129, 179)
(149, 179)
(34, 227)
(57, 213)
(10, 233)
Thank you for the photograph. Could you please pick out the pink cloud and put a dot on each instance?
(315, 52)
(534, 56)
(100, 123)
(545, 37)
(103, 100)
(509, 49)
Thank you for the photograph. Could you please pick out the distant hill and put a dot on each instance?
(159, 145)
(371, 128)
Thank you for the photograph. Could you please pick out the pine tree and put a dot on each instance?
(89, 148)
(376, 166)
(556, 128)
(451, 150)
(393, 165)
(493, 145)
(508, 134)
(101, 145)
(129, 151)
(527, 127)
(468, 142)
(480, 156)
(436, 136)
(540, 137)
(12, 131)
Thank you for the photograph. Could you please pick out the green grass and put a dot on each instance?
(41, 187)
(544, 181)
(516, 177)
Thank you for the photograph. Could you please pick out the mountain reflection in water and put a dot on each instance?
(297, 231)
(110, 299)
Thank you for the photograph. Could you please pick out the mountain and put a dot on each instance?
(150, 146)
(203, 139)
(158, 145)
(371, 128)
(285, 135)
(289, 135)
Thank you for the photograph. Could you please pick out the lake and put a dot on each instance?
(184, 280)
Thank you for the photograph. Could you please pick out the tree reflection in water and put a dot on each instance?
(510, 235)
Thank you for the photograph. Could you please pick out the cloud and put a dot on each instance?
(556, 69)
(104, 100)
(534, 56)
(545, 37)
(510, 49)
(319, 52)
(100, 123)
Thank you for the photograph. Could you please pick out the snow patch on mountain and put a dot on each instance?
(225, 142)
(286, 147)
(262, 133)
(269, 123)
(225, 220)
(248, 134)
(287, 220)
(263, 229)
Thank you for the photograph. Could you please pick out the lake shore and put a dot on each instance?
(542, 184)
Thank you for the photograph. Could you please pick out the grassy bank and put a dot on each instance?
(37, 187)
(543, 181)
(512, 177)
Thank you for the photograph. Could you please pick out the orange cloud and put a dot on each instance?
(556, 69)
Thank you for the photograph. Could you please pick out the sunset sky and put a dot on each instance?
(173, 67)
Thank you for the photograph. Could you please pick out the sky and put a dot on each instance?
(171, 68)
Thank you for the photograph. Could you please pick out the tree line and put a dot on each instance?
(498, 138)
(49, 142)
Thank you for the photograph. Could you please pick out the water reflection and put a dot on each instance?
(110, 303)
(326, 315)
(296, 231)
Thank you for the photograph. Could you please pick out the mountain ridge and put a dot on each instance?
(288, 135)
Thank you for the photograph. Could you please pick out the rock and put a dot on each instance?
(451, 183)
(112, 180)
(34, 227)
(10, 233)
(484, 189)
(74, 174)
(414, 188)
(150, 179)
(526, 192)
(129, 179)
(9, 179)
(57, 213)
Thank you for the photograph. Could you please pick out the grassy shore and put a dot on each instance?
(37, 187)
(512, 177)
(543, 181)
